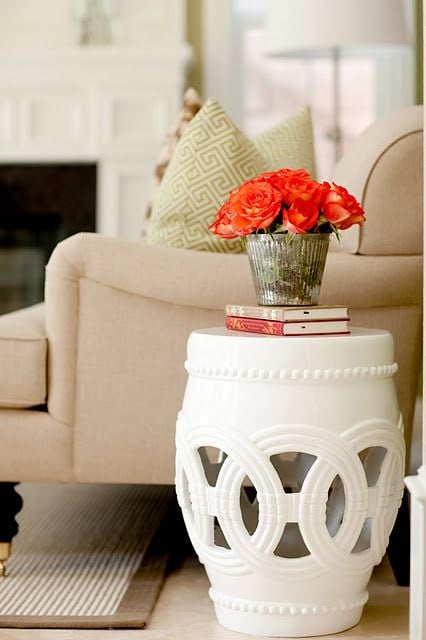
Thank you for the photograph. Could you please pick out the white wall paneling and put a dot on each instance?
(134, 119)
(49, 118)
(124, 187)
(7, 120)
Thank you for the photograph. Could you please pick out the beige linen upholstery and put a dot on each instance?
(35, 448)
(23, 348)
(384, 169)
(118, 315)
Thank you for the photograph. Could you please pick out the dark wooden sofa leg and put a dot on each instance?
(399, 544)
(10, 505)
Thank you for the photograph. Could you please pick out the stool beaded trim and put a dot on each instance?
(285, 375)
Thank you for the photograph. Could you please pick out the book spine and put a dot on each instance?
(255, 325)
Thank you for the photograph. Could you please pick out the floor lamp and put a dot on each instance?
(315, 26)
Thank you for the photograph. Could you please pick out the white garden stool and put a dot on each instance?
(289, 473)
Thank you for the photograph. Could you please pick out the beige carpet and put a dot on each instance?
(88, 556)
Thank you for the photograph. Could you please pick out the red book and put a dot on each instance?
(278, 328)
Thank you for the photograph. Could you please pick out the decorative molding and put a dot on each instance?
(275, 608)
(134, 118)
(50, 119)
(120, 106)
(253, 374)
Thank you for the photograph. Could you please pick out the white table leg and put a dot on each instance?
(417, 488)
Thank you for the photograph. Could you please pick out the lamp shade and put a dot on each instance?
(294, 25)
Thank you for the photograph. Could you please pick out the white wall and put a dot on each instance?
(33, 23)
(54, 23)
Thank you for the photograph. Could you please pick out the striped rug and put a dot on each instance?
(87, 556)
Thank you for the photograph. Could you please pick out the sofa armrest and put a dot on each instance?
(178, 276)
(212, 280)
(118, 315)
(383, 168)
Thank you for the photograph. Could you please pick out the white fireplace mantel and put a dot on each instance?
(108, 105)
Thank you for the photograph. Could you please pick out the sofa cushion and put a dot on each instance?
(23, 351)
(212, 158)
(289, 143)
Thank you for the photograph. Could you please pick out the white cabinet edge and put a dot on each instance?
(417, 484)
(417, 487)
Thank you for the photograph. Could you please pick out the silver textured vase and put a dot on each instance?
(287, 269)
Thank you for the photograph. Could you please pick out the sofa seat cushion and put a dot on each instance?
(23, 351)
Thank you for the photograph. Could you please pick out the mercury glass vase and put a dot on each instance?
(287, 269)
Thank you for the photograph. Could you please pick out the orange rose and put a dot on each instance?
(274, 177)
(341, 208)
(295, 184)
(302, 187)
(253, 206)
(222, 224)
(279, 179)
(301, 216)
(306, 206)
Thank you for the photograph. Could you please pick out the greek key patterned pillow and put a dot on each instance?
(289, 143)
(212, 158)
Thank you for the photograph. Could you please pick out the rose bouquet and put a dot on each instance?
(287, 219)
(286, 201)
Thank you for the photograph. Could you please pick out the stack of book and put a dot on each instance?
(289, 321)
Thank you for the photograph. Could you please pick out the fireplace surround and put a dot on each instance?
(110, 106)
(100, 113)
(41, 204)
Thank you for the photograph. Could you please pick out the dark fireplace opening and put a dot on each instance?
(40, 205)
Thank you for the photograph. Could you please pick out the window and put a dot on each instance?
(259, 91)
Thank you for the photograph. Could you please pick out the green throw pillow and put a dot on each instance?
(289, 143)
(212, 158)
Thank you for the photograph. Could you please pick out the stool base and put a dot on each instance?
(286, 619)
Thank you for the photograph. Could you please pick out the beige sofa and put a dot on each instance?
(102, 361)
